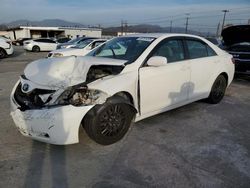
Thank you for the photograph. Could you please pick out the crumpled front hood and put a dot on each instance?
(236, 34)
(64, 72)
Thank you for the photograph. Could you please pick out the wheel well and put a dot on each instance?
(225, 76)
(126, 95)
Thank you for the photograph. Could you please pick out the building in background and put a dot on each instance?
(38, 32)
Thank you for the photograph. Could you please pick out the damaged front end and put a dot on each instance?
(50, 105)
(78, 95)
(73, 90)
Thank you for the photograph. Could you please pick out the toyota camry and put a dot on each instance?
(123, 81)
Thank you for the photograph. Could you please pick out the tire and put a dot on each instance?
(108, 123)
(36, 49)
(3, 53)
(218, 90)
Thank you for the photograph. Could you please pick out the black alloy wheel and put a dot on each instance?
(218, 90)
(109, 122)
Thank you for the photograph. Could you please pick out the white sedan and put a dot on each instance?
(41, 44)
(126, 79)
(80, 49)
(6, 47)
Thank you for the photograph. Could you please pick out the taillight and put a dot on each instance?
(233, 60)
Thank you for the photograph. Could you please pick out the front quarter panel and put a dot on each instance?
(123, 82)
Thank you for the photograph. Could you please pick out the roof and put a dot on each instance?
(158, 35)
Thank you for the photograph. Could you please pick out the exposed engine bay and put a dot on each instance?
(100, 71)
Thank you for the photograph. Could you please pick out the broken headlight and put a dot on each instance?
(81, 96)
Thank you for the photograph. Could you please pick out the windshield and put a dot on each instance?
(124, 48)
(82, 44)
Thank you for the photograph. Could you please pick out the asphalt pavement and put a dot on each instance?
(198, 145)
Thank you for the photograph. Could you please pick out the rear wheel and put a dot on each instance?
(36, 49)
(108, 123)
(3, 53)
(218, 90)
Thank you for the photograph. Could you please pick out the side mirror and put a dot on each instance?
(157, 61)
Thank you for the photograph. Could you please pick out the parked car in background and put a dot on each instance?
(41, 44)
(237, 42)
(81, 49)
(6, 47)
(215, 41)
(108, 89)
(73, 42)
(19, 42)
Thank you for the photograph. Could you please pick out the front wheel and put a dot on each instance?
(36, 49)
(218, 90)
(108, 123)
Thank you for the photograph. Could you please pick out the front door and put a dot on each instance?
(163, 86)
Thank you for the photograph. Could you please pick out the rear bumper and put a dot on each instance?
(28, 47)
(10, 50)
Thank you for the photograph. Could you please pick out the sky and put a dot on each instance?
(202, 13)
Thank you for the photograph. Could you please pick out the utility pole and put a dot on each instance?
(125, 27)
(224, 18)
(218, 29)
(171, 23)
(122, 28)
(187, 23)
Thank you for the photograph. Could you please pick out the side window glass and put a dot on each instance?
(210, 51)
(172, 50)
(39, 40)
(95, 44)
(50, 41)
(196, 49)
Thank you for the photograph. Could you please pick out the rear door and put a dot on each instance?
(164, 86)
(203, 61)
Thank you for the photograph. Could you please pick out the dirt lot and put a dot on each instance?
(199, 145)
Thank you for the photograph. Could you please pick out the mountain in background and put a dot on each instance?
(142, 28)
(44, 23)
